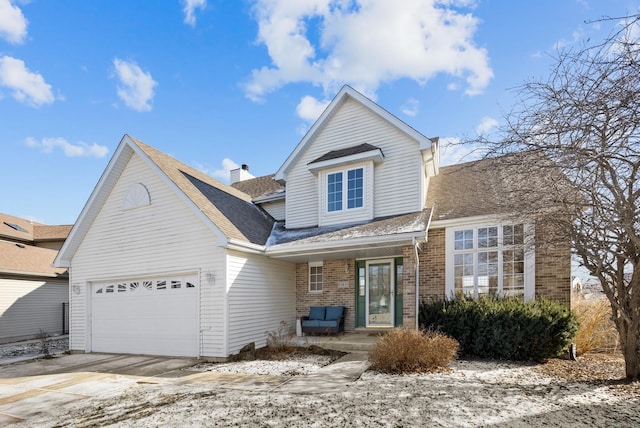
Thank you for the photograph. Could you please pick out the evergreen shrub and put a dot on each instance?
(506, 329)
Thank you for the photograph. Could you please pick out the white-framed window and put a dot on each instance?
(490, 260)
(315, 277)
(345, 189)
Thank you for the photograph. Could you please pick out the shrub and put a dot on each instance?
(503, 328)
(597, 331)
(279, 340)
(412, 351)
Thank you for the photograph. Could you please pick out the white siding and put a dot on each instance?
(397, 180)
(29, 305)
(164, 237)
(275, 209)
(261, 294)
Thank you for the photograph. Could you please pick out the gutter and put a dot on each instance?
(247, 247)
(342, 244)
(415, 249)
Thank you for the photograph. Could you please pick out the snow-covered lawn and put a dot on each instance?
(472, 394)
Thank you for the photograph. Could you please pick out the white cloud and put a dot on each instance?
(365, 43)
(453, 151)
(410, 108)
(189, 9)
(80, 149)
(13, 24)
(310, 108)
(487, 124)
(136, 88)
(223, 173)
(26, 86)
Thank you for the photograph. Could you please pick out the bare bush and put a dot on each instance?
(412, 351)
(597, 332)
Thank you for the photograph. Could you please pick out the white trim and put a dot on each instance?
(246, 247)
(529, 256)
(372, 155)
(309, 266)
(355, 243)
(392, 291)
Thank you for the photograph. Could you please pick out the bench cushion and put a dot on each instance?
(311, 323)
(316, 313)
(334, 313)
(331, 324)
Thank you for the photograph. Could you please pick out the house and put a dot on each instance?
(166, 260)
(32, 292)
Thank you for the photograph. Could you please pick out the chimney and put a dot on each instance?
(240, 174)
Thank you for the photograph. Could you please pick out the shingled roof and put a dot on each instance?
(259, 186)
(489, 186)
(20, 259)
(231, 210)
(336, 154)
(407, 223)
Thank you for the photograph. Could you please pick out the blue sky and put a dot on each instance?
(217, 83)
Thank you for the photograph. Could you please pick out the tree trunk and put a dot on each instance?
(631, 349)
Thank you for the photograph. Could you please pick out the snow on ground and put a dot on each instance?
(472, 394)
(32, 348)
(296, 365)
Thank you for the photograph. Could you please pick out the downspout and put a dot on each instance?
(415, 249)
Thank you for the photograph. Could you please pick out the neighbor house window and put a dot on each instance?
(488, 261)
(347, 193)
(315, 277)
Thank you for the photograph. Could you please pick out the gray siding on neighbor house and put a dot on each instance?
(28, 306)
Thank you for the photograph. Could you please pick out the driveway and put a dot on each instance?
(31, 388)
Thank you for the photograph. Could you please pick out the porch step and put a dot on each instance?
(349, 342)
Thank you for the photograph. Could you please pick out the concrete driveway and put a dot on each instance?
(33, 387)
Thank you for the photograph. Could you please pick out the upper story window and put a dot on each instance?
(489, 260)
(347, 193)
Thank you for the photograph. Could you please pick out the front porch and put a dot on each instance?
(348, 342)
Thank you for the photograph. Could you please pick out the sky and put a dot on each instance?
(219, 83)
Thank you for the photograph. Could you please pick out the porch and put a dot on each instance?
(359, 342)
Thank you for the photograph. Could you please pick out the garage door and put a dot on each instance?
(146, 316)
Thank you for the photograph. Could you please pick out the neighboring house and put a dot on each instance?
(167, 260)
(32, 292)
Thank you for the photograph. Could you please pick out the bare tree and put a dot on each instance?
(583, 122)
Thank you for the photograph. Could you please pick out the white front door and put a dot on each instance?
(156, 316)
(380, 286)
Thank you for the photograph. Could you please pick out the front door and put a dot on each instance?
(379, 298)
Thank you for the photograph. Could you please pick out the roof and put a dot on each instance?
(20, 259)
(490, 186)
(226, 209)
(16, 228)
(23, 230)
(396, 225)
(347, 92)
(51, 233)
(259, 186)
(336, 154)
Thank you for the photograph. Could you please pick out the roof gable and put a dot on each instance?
(203, 194)
(345, 93)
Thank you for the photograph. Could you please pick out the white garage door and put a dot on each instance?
(148, 316)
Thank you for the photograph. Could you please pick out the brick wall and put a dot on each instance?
(553, 267)
(432, 266)
(338, 289)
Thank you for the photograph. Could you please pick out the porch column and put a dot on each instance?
(409, 287)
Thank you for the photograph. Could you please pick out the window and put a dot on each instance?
(315, 277)
(488, 261)
(16, 227)
(349, 193)
(334, 192)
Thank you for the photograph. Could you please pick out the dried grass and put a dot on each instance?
(412, 351)
(597, 332)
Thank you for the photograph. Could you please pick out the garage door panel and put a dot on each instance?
(156, 317)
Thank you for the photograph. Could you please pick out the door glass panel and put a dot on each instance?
(380, 299)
